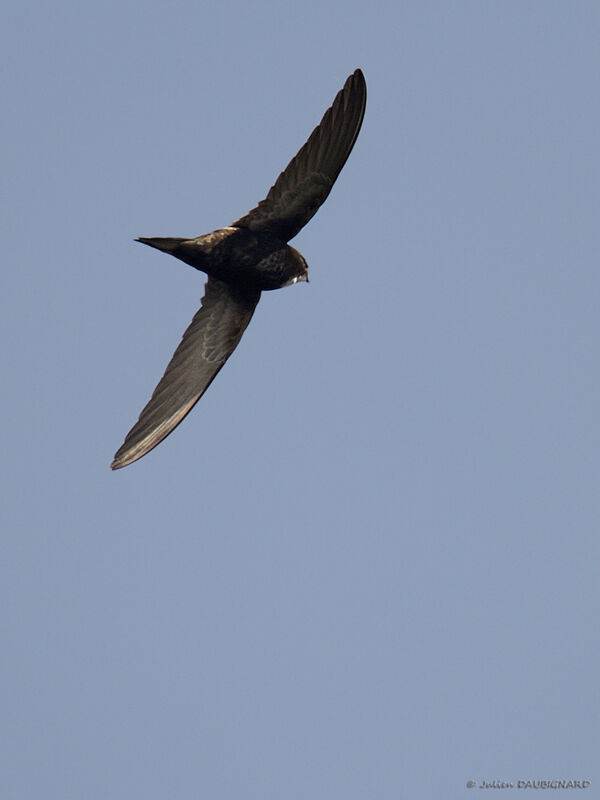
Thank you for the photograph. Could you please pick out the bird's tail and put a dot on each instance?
(166, 244)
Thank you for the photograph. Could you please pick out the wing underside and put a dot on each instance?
(307, 180)
(210, 339)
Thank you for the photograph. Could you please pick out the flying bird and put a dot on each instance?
(250, 256)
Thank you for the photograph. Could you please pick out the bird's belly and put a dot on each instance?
(273, 271)
(270, 271)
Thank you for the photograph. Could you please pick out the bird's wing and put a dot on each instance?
(307, 180)
(211, 338)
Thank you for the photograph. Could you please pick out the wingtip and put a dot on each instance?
(357, 75)
(127, 455)
(124, 457)
(359, 78)
(118, 463)
(355, 87)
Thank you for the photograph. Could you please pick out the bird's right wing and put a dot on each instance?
(304, 184)
(211, 338)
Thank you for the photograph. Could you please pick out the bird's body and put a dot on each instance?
(237, 255)
(250, 256)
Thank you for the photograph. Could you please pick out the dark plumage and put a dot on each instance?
(241, 261)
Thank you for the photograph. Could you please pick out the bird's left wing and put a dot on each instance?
(304, 184)
(211, 338)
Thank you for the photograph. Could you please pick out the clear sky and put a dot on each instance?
(366, 565)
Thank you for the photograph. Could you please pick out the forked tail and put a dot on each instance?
(166, 244)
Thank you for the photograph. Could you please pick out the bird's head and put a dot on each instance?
(299, 266)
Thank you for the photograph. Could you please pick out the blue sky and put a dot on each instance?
(366, 565)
